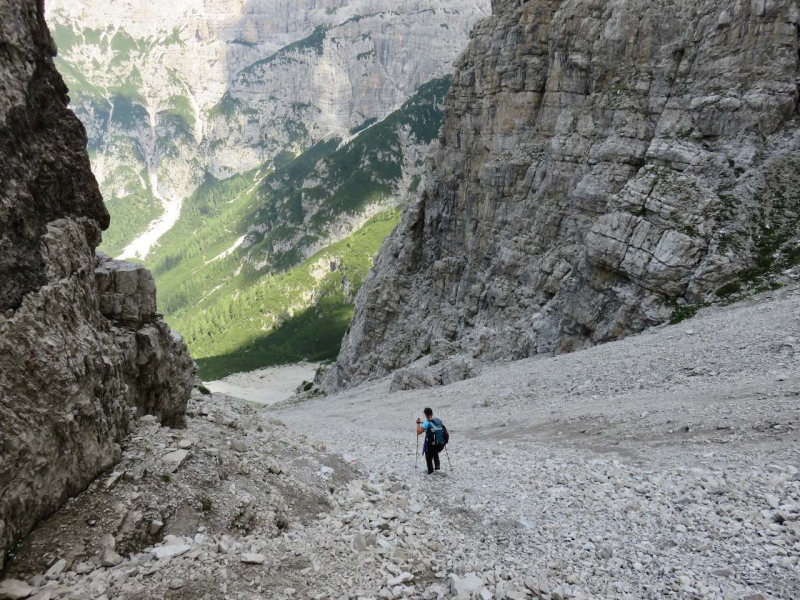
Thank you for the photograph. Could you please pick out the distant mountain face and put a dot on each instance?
(172, 91)
(602, 167)
(263, 267)
(235, 141)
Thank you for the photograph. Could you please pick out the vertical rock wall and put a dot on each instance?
(600, 162)
(82, 349)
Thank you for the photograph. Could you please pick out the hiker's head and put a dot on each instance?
(428, 413)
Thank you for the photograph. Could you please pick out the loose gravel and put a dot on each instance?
(663, 465)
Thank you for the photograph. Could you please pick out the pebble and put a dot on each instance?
(161, 552)
(253, 559)
(404, 577)
(56, 570)
(109, 558)
(176, 584)
(13, 589)
(175, 459)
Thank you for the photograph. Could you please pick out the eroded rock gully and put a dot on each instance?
(82, 349)
(601, 162)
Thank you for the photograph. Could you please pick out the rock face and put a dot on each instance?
(601, 162)
(82, 350)
(173, 92)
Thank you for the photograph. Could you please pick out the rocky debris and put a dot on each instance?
(109, 558)
(611, 505)
(170, 550)
(13, 589)
(254, 559)
(171, 528)
(466, 586)
(441, 373)
(56, 570)
(173, 460)
(663, 465)
(583, 190)
(82, 349)
(165, 373)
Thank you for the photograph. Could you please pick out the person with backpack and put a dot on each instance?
(436, 437)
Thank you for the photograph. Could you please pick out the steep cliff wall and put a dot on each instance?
(171, 92)
(82, 349)
(602, 162)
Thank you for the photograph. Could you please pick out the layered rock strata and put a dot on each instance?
(601, 162)
(82, 349)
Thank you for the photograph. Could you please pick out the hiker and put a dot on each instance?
(436, 437)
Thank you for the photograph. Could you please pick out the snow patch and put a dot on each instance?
(229, 251)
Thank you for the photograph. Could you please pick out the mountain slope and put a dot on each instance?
(173, 93)
(239, 237)
(601, 165)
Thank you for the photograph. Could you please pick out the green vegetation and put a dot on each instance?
(313, 43)
(124, 45)
(232, 274)
(257, 327)
(174, 39)
(296, 130)
(775, 243)
(211, 221)
(683, 312)
(227, 107)
(180, 107)
(129, 89)
(129, 113)
(729, 289)
(241, 42)
(79, 87)
(283, 158)
(93, 36)
(130, 216)
(65, 37)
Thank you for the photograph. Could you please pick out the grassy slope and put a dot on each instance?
(259, 326)
(360, 173)
(259, 304)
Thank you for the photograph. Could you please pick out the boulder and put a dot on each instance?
(466, 585)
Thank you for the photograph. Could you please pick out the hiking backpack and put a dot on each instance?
(436, 433)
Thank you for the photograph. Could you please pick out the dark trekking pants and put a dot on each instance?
(432, 457)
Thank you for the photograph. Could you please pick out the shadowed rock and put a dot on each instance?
(82, 349)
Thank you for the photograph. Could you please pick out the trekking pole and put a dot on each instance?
(447, 454)
(416, 452)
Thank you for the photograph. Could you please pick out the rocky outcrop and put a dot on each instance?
(601, 162)
(428, 376)
(82, 349)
